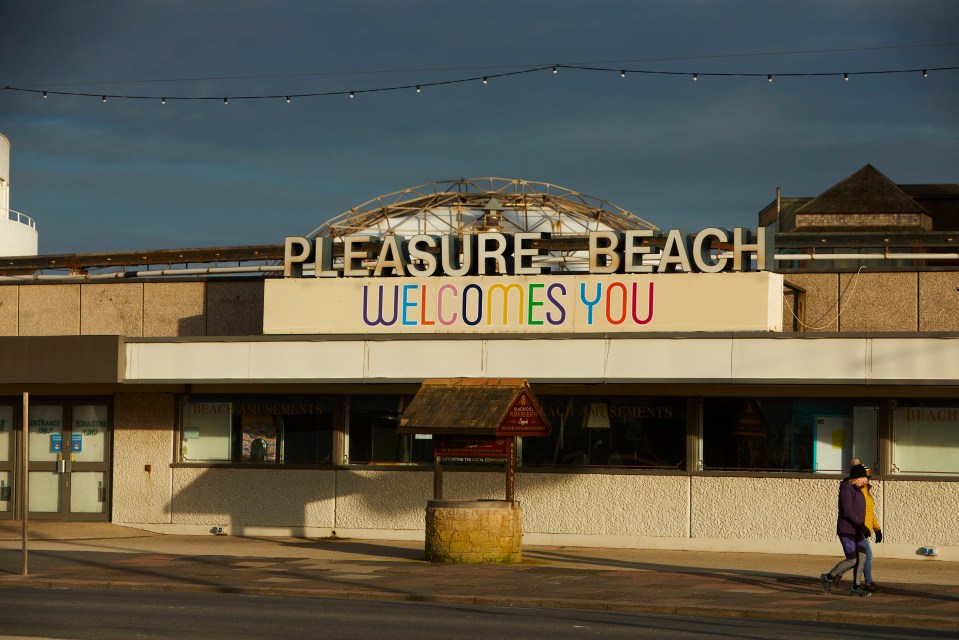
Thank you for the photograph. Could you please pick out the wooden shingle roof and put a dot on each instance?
(474, 406)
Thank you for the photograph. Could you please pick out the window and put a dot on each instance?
(788, 434)
(257, 429)
(925, 437)
(610, 431)
(373, 437)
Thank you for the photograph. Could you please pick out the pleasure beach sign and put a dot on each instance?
(490, 283)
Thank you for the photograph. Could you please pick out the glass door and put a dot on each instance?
(7, 455)
(69, 461)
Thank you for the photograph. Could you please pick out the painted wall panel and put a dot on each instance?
(188, 361)
(546, 359)
(334, 361)
(813, 359)
(910, 359)
(668, 359)
(416, 359)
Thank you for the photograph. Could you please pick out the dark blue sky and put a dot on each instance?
(130, 174)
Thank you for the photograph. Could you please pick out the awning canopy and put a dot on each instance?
(475, 406)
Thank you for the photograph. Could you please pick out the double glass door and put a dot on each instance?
(69, 461)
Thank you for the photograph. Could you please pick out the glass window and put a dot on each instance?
(258, 429)
(926, 437)
(610, 431)
(373, 422)
(788, 434)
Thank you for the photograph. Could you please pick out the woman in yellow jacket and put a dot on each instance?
(873, 525)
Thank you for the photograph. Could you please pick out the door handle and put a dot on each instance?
(64, 466)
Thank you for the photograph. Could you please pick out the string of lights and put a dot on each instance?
(489, 68)
(485, 79)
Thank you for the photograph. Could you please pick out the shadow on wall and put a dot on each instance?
(253, 496)
(229, 308)
(192, 326)
(320, 498)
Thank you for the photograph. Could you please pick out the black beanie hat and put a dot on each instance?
(857, 471)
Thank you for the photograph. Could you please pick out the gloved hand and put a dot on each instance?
(864, 531)
(878, 536)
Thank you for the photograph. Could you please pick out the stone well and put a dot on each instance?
(474, 531)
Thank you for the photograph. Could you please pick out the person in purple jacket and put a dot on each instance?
(851, 529)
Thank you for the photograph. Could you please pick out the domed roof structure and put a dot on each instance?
(470, 205)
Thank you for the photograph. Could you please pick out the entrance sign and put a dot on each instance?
(568, 303)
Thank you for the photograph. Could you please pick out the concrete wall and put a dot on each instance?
(849, 302)
(174, 309)
(939, 301)
(133, 309)
(144, 425)
(9, 311)
(741, 514)
(877, 302)
(50, 310)
(922, 513)
(238, 499)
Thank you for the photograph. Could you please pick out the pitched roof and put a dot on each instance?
(865, 191)
(473, 406)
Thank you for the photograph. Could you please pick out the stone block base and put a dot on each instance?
(482, 531)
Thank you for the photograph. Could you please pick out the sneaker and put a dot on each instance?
(872, 587)
(859, 591)
(826, 582)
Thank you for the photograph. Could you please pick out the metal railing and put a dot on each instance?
(16, 216)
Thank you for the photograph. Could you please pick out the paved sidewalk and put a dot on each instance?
(914, 593)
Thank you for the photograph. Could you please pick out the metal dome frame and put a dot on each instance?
(562, 206)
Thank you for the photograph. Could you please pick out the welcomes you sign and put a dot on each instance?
(525, 304)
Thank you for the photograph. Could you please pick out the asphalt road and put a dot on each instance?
(104, 614)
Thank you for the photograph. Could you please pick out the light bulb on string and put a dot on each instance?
(226, 101)
(352, 94)
(925, 74)
(554, 70)
(289, 99)
(103, 98)
(769, 77)
(485, 81)
(44, 95)
(622, 74)
(162, 100)
(845, 77)
(695, 77)
(418, 90)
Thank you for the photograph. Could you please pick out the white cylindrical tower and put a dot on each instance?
(18, 231)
